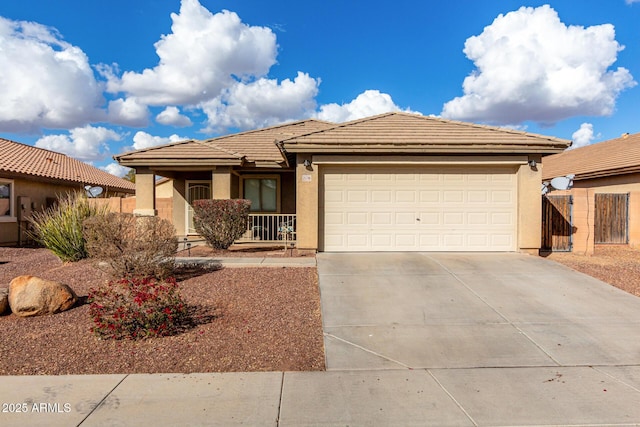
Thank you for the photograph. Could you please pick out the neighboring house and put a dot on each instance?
(391, 182)
(605, 194)
(33, 178)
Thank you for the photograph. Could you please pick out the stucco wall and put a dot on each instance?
(584, 193)
(39, 192)
(529, 209)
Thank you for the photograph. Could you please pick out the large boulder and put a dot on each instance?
(33, 296)
(4, 300)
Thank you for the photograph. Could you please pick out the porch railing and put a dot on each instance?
(270, 228)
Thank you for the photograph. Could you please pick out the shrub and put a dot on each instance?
(137, 308)
(131, 246)
(221, 221)
(59, 228)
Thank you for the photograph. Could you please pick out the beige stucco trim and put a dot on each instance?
(529, 208)
(179, 201)
(221, 183)
(413, 160)
(307, 206)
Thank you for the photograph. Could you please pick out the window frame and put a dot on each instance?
(263, 176)
(12, 217)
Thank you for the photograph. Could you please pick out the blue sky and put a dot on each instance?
(94, 79)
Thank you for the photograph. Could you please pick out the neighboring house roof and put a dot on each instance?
(255, 147)
(613, 157)
(28, 161)
(412, 133)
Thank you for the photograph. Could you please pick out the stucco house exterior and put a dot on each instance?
(391, 182)
(602, 170)
(33, 178)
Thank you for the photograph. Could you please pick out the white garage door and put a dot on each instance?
(423, 208)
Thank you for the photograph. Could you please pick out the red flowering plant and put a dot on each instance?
(137, 308)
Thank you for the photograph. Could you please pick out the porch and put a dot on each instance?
(261, 230)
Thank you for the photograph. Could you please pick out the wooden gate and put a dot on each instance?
(557, 223)
(611, 218)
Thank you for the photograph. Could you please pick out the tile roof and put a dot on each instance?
(255, 146)
(613, 157)
(411, 133)
(26, 160)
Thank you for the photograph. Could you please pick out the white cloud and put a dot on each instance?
(128, 112)
(204, 54)
(116, 169)
(171, 116)
(87, 143)
(632, 1)
(368, 103)
(583, 136)
(44, 81)
(262, 103)
(144, 140)
(531, 66)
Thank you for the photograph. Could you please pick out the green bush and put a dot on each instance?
(131, 246)
(59, 228)
(221, 221)
(137, 308)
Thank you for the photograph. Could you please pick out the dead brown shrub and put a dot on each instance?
(132, 246)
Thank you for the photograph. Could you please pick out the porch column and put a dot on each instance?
(221, 185)
(307, 206)
(145, 192)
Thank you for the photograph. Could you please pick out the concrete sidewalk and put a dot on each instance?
(541, 396)
(411, 340)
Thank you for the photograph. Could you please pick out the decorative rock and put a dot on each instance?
(4, 300)
(33, 296)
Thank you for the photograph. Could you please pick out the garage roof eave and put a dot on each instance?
(436, 149)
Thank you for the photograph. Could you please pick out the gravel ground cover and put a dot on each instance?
(618, 265)
(250, 319)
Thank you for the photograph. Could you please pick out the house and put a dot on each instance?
(605, 197)
(33, 178)
(391, 182)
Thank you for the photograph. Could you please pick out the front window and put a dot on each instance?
(6, 199)
(263, 193)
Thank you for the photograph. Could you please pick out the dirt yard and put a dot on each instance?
(252, 319)
(615, 264)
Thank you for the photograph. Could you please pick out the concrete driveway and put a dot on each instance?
(510, 338)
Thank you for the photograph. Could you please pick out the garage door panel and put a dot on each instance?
(382, 218)
(478, 196)
(381, 196)
(406, 241)
(478, 218)
(429, 196)
(501, 218)
(455, 196)
(358, 218)
(419, 209)
(334, 196)
(502, 197)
